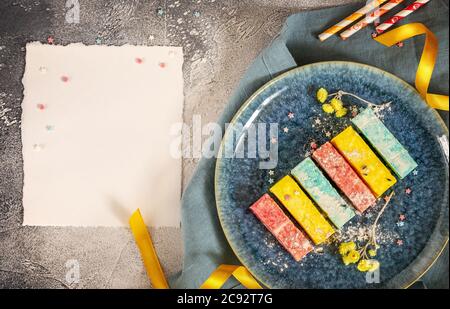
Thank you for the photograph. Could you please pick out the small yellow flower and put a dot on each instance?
(327, 108)
(341, 113)
(351, 258)
(346, 247)
(368, 265)
(372, 252)
(322, 95)
(337, 104)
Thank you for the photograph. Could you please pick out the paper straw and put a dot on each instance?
(400, 15)
(370, 18)
(350, 19)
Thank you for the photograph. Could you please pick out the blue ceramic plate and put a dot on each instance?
(408, 249)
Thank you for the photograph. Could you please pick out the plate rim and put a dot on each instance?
(283, 75)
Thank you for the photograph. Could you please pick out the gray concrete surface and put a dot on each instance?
(219, 38)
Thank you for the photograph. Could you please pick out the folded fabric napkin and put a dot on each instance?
(205, 246)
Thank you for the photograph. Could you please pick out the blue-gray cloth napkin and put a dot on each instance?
(205, 246)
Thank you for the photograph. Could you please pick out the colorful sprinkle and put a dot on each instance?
(400, 224)
(270, 180)
(328, 134)
(50, 40)
(374, 35)
(399, 242)
(65, 78)
(400, 44)
(415, 172)
(40, 106)
(271, 173)
(291, 115)
(296, 192)
(98, 41)
(196, 14)
(408, 191)
(273, 140)
(138, 60)
(160, 11)
(286, 130)
(287, 197)
(402, 217)
(162, 65)
(314, 145)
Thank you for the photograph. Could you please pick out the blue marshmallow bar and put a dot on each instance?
(384, 143)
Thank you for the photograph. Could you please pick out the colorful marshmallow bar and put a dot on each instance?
(322, 192)
(345, 178)
(364, 161)
(274, 219)
(384, 143)
(302, 209)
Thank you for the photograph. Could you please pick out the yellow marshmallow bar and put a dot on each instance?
(364, 161)
(302, 209)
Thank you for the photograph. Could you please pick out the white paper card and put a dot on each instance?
(96, 134)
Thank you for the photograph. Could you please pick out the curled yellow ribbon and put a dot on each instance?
(218, 278)
(156, 275)
(427, 60)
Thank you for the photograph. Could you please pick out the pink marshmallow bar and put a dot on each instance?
(274, 219)
(344, 177)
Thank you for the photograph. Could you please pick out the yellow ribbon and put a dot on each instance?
(218, 278)
(156, 275)
(148, 253)
(427, 60)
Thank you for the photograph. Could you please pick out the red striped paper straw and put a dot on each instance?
(350, 19)
(400, 15)
(370, 18)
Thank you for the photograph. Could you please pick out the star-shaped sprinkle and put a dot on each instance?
(328, 134)
(273, 140)
(374, 35)
(408, 191)
(402, 217)
(291, 115)
(98, 41)
(270, 180)
(313, 145)
(139, 60)
(317, 121)
(50, 40)
(296, 192)
(285, 129)
(400, 44)
(64, 78)
(151, 37)
(400, 224)
(415, 172)
(399, 242)
(386, 198)
(271, 173)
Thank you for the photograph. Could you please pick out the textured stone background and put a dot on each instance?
(219, 38)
